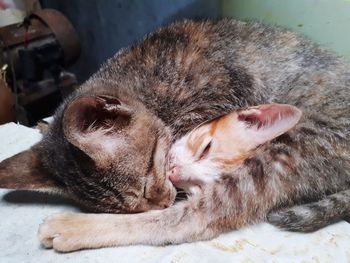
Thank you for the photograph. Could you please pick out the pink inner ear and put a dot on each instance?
(266, 115)
(265, 122)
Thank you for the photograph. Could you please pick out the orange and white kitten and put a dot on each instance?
(208, 151)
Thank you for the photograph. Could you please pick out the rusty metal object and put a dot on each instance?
(65, 83)
(38, 50)
(63, 30)
(12, 40)
(45, 25)
(13, 35)
(7, 109)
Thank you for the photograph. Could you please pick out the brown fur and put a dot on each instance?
(203, 70)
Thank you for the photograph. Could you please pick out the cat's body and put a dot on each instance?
(174, 80)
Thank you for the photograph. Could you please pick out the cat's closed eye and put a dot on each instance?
(145, 191)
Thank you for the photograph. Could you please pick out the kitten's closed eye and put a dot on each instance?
(205, 152)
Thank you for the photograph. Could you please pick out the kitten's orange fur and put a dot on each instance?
(214, 147)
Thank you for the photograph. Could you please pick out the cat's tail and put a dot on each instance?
(313, 216)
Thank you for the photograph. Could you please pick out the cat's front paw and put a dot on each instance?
(63, 232)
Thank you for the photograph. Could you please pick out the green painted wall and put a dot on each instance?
(325, 21)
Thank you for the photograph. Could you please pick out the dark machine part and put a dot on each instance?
(38, 51)
(35, 61)
(7, 113)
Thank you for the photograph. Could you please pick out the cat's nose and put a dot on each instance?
(173, 174)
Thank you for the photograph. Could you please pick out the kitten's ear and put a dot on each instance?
(94, 124)
(24, 171)
(266, 122)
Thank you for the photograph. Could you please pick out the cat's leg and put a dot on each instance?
(184, 222)
(313, 216)
(204, 216)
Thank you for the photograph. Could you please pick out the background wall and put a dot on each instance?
(325, 21)
(105, 26)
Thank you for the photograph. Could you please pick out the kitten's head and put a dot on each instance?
(213, 148)
(104, 149)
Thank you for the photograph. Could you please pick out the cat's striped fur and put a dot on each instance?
(164, 86)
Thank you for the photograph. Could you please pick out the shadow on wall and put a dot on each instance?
(106, 26)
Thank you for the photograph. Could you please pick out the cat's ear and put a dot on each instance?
(24, 171)
(265, 122)
(94, 124)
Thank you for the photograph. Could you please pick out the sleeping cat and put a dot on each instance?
(213, 149)
(107, 147)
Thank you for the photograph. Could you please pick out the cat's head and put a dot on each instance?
(104, 149)
(216, 146)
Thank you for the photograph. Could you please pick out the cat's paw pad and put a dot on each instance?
(60, 232)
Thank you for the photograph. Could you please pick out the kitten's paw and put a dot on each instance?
(62, 232)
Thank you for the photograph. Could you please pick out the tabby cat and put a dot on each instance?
(107, 147)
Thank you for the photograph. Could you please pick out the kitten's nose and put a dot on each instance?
(173, 174)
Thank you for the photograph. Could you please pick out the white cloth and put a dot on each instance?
(22, 212)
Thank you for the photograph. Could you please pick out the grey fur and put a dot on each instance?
(313, 216)
(188, 73)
